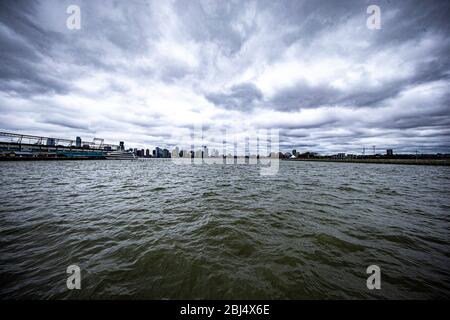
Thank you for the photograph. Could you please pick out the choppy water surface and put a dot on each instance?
(153, 229)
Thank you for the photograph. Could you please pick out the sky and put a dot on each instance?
(146, 72)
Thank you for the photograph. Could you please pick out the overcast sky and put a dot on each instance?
(146, 71)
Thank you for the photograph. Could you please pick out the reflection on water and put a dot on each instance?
(153, 229)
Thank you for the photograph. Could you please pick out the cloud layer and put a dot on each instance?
(147, 71)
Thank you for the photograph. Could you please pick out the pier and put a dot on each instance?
(15, 146)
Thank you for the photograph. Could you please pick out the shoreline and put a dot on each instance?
(14, 159)
(419, 162)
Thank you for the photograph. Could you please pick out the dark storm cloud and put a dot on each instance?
(241, 97)
(23, 47)
(303, 95)
(212, 23)
(414, 23)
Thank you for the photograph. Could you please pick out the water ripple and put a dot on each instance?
(153, 229)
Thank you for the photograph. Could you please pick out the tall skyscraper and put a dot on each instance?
(175, 152)
(158, 152)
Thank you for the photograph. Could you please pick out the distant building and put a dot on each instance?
(51, 142)
(147, 153)
(175, 152)
(389, 152)
(294, 152)
(340, 155)
(121, 145)
(274, 155)
(165, 153)
(185, 154)
(78, 142)
(158, 152)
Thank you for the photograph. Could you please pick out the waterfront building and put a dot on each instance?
(389, 152)
(51, 142)
(29, 146)
(185, 154)
(175, 152)
(165, 153)
(121, 145)
(274, 155)
(158, 152)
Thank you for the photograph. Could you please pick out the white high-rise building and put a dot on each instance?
(175, 152)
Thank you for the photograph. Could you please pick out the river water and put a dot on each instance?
(153, 229)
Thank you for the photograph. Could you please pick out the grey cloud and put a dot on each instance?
(24, 43)
(65, 122)
(303, 95)
(213, 21)
(241, 97)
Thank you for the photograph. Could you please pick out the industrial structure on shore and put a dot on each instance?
(29, 147)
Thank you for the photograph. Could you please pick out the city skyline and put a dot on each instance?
(146, 72)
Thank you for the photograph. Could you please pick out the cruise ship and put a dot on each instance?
(120, 155)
